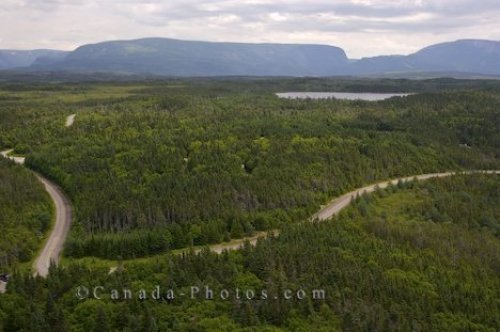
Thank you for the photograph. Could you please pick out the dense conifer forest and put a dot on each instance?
(171, 165)
(388, 263)
(25, 214)
(155, 166)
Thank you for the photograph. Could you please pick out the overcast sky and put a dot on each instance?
(360, 27)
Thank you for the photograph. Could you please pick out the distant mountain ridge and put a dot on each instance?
(17, 59)
(172, 57)
(162, 56)
(467, 55)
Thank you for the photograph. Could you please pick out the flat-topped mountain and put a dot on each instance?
(172, 57)
(161, 56)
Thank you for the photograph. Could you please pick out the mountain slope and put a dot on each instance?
(479, 56)
(465, 56)
(15, 59)
(171, 57)
(190, 58)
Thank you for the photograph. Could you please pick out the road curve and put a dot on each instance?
(55, 243)
(17, 160)
(338, 204)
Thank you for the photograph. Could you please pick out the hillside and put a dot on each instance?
(17, 59)
(171, 57)
(25, 214)
(190, 58)
(463, 56)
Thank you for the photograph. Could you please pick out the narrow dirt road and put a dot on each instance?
(54, 245)
(337, 205)
(17, 160)
(219, 248)
(51, 252)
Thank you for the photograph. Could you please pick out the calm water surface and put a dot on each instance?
(341, 95)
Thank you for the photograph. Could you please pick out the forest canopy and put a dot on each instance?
(166, 165)
(25, 214)
(150, 167)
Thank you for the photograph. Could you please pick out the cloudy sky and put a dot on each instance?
(360, 27)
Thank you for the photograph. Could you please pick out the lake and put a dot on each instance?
(341, 95)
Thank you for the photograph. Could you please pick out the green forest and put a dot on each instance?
(25, 214)
(167, 166)
(385, 263)
(155, 166)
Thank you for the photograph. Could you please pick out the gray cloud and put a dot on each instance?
(362, 27)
